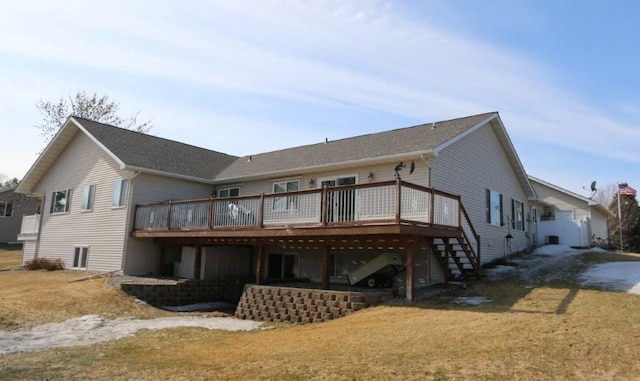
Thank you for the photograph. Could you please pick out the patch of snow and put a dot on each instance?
(550, 262)
(498, 271)
(617, 276)
(471, 300)
(91, 329)
(555, 250)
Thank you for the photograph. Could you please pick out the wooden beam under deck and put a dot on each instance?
(306, 233)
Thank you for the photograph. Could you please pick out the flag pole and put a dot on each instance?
(620, 218)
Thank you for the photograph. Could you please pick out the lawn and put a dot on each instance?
(10, 256)
(529, 330)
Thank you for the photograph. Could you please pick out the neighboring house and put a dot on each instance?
(12, 207)
(566, 218)
(118, 200)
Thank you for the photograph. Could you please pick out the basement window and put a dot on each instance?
(80, 257)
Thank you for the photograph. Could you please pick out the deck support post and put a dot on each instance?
(262, 253)
(411, 267)
(197, 262)
(326, 256)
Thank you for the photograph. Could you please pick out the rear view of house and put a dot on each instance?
(444, 198)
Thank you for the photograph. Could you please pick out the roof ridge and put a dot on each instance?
(369, 134)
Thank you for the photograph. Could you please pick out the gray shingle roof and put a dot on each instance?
(144, 151)
(393, 142)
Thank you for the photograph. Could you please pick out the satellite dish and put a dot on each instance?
(593, 187)
(412, 168)
(398, 168)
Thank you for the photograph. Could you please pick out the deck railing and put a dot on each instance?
(382, 202)
(30, 224)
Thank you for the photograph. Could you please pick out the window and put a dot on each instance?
(286, 202)
(534, 215)
(119, 192)
(6, 209)
(87, 197)
(229, 192)
(282, 266)
(339, 264)
(517, 215)
(60, 201)
(494, 208)
(80, 257)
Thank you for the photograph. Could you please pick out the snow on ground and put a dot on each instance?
(471, 300)
(91, 329)
(551, 262)
(548, 262)
(616, 276)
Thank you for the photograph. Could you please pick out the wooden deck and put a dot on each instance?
(376, 209)
(393, 213)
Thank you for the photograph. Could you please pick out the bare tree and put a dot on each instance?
(89, 106)
(626, 220)
(6, 182)
(606, 194)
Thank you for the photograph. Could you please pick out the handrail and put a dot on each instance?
(382, 201)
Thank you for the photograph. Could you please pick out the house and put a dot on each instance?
(566, 218)
(12, 207)
(446, 196)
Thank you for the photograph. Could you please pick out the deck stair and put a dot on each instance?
(457, 257)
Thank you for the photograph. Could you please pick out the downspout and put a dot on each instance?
(125, 247)
(37, 249)
(425, 159)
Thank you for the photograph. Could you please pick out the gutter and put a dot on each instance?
(139, 170)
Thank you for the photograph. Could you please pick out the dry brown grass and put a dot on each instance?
(29, 298)
(530, 331)
(10, 257)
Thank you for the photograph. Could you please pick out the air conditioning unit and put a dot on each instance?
(552, 240)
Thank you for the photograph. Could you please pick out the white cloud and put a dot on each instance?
(366, 55)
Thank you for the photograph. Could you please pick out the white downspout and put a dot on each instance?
(125, 247)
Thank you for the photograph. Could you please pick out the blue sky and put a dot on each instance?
(244, 77)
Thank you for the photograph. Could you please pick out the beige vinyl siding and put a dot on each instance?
(469, 167)
(381, 172)
(28, 251)
(562, 201)
(153, 188)
(103, 229)
(142, 255)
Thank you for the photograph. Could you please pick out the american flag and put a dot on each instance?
(626, 190)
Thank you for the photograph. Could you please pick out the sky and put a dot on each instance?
(244, 77)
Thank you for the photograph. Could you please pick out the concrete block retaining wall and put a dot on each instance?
(187, 292)
(297, 305)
